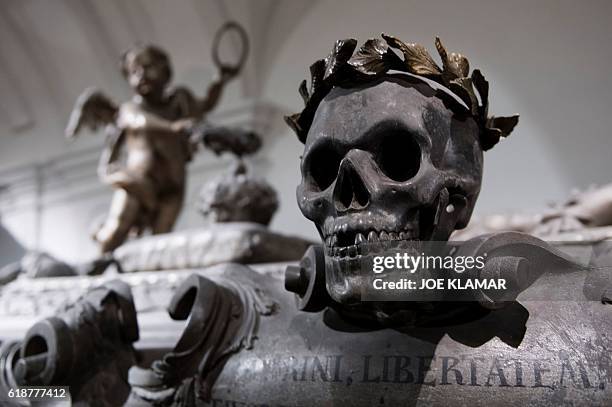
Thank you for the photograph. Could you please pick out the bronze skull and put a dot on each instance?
(384, 163)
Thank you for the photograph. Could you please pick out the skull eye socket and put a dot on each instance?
(322, 166)
(399, 155)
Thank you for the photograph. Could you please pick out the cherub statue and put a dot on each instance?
(151, 139)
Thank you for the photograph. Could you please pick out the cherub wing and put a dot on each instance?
(92, 109)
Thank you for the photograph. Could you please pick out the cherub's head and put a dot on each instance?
(147, 69)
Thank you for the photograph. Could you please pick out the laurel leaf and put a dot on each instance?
(454, 65)
(489, 137)
(458, 65)
(292, 121)
(303, 90)
(482, 86)
(374, 57)
(342, 51)
(417, 59)
(495, 129)
(462, 87)
(317, 71)
(504, 124)
(442, 52)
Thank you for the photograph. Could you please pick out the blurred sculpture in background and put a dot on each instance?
(238, 197)
(152, 137)
(36, 264)
(86, 344)
(586, 215)
(238, 207)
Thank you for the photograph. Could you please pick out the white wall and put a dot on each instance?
(547, 60)
(10, 249)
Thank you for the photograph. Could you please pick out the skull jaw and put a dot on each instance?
(347, 277)
(346, 280)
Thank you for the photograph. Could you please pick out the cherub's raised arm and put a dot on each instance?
(226, 71)
(92, 109)
(215, 89)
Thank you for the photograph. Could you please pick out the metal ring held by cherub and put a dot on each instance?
(244, 49)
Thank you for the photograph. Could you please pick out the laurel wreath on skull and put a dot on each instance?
(376, 57)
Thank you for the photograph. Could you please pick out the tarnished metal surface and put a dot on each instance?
(531, 353)
(535, 353)
(223, 317)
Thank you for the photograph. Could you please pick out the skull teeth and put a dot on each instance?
(343, 244)
(331, 229)
(352, 251)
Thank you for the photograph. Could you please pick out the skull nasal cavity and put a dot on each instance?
(351, 192)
